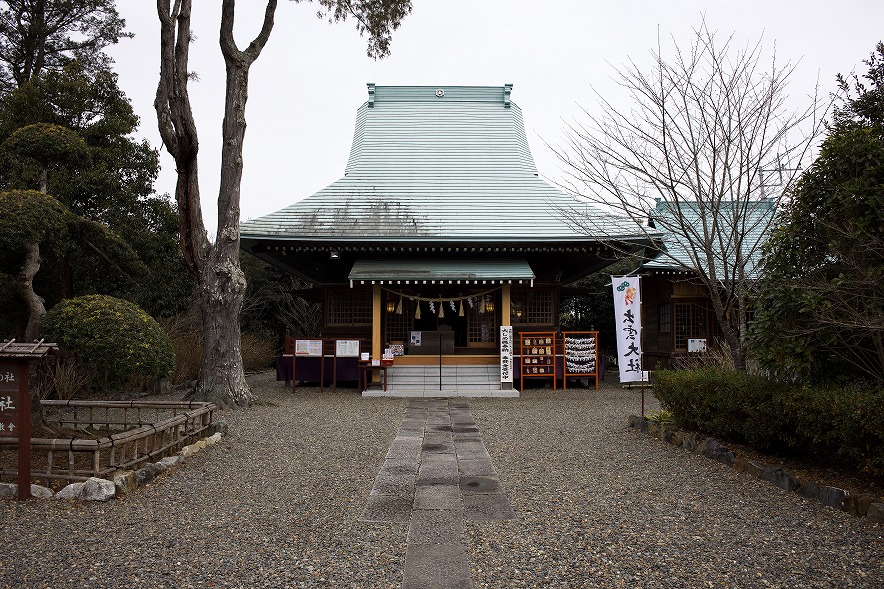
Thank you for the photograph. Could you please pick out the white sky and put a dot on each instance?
(306, 86)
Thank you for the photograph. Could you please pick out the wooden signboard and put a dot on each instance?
(538, 356)
(308, 348)
(581, 355)
(10, 404)
(345, 348)
(15, 402)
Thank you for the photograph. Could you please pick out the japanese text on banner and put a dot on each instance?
(627, 318)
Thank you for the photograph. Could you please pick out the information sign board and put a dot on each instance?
(506, 353)
(308, 347)
(9, 402)
(347, 348)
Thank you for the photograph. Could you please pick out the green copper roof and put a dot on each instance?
(434, 164)
(741, 226)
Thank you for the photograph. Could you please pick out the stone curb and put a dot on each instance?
(859, 505)
(124, 481)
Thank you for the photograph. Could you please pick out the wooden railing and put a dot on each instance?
(145, 432)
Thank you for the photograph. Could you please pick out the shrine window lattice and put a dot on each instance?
(533, 307)
(690, 323)
(398, 326)
(348, 307)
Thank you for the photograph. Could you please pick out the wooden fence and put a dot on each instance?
(144, 432)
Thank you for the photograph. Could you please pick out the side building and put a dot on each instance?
(440, 229)
(676, 304)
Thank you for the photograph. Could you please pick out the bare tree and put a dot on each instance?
(217, 265)
(691, 152)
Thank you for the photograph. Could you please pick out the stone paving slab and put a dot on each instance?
(479, 467)
(438, 497)
(387, 508)
(436, 526)
(487, 507)
(387, 483)
(437, 472)
(405, 448)
(437, 566)
(485, 484)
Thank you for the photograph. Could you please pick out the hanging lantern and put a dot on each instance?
(391, 306)
(489, 305)
(461, 309)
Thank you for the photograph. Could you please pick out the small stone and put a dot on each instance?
(41, 492)
(124, 481)
(71, 491)
(188, 451)
(201, 444)
(712, 448)
(809, 491)
(8, 490)
(653, 428)
(143, 476)
(213, 439)
(218, 427)
(858, 505)
(96, 489)
(157, 467)
(170, 461)
(876, 513)
(635, 421)
(689, 442)
(832, 496)
(780, 478)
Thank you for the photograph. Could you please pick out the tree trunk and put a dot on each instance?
(222, 281)
(25, 288)
(222, 378)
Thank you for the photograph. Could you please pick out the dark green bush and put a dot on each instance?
(116, 339)
(828, 423)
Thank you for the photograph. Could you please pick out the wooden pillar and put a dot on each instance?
(505, 305)
(376, 300)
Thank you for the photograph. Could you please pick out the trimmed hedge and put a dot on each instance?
(115, 338)
(844, 423)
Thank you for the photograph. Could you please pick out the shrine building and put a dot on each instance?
(440, 229)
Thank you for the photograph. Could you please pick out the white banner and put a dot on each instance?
(627, 318)
(506, 353)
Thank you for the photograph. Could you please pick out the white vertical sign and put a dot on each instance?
(506, 353)
(627, 318)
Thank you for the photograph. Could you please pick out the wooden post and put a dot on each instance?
(14, 360)
(15, 416)
(505, 306)
(376, 343)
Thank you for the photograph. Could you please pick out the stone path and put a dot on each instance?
(436, 473)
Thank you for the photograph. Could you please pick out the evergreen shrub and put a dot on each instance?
(116, 339)
(828, 423)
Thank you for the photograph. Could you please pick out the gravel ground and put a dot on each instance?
(277, 502)
(600, 505)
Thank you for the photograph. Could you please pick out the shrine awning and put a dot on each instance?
(434, 271)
